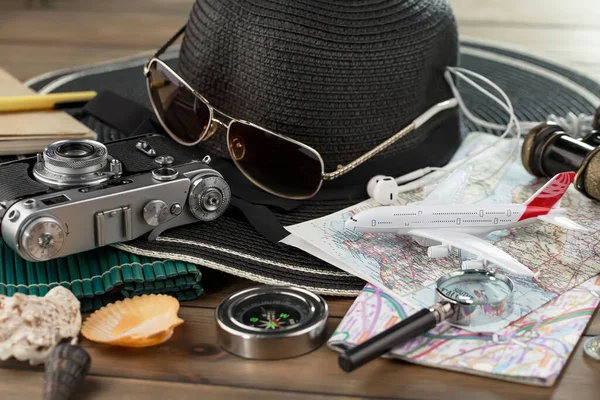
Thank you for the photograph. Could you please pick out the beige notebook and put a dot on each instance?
(29, 132)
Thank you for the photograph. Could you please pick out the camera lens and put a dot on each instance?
(75, 150)
(73, 163)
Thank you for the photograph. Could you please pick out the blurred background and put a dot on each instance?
(37, 36)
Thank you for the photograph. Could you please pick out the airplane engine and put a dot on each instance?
(474, 264)
(439, 251)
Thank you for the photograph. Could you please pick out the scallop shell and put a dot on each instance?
(66, 367)
(141, 321)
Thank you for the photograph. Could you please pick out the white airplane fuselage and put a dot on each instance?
(474, 219)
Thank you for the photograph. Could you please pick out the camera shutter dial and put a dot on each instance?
(156, 212)
(43, 238)
(209, 197)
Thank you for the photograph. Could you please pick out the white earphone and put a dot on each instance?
(385, 189)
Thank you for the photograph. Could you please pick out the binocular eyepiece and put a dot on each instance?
(548, 150)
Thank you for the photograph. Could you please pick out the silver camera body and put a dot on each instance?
(92, 200)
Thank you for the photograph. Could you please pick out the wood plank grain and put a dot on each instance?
(31, 384)
(76, 23)
(26, 61)
(593, 328)
(192, 356)
(591, 70)
(578, 45)
(172, 7)
(556, 13)
(86, 28)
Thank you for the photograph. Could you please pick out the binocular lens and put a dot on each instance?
(548, 150)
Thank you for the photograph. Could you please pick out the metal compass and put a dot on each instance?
(271, 322)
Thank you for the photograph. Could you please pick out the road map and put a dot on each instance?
(532, 350)
(400, 267)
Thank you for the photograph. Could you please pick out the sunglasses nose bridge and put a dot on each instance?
(223, 124)
(222, 117)
(214, 125)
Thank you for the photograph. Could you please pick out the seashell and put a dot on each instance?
(141, 321)
(30, 326)
(66, 367)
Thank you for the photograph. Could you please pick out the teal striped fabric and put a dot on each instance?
(99, 276)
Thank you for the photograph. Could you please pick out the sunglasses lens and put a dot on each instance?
(279, 166)
(179, 110)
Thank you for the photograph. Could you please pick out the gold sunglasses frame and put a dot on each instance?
(211, 128)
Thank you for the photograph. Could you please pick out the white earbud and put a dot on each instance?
(372, 182)
(383, 189)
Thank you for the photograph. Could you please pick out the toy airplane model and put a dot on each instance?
(442, 225)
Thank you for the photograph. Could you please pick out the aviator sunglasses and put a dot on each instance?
(275, 163)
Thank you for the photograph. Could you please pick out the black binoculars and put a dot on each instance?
(548, 149)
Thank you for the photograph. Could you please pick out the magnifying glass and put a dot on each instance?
(465, 298)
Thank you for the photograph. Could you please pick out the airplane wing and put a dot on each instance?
(450, 191)
(563, 222)
(481, 248)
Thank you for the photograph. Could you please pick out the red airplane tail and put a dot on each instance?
(550, 194)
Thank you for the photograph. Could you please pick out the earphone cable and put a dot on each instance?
(425, 175)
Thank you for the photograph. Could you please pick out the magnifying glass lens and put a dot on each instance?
(475, 289)
(478, 296)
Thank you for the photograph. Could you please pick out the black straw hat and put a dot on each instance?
(339, 76)
(537, 88)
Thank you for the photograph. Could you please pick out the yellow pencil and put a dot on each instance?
(51, 101)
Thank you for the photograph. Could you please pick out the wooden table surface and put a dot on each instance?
(191, 365)
(35, 39)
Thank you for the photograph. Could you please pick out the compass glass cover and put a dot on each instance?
(271, 312)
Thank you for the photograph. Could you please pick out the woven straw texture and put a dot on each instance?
(339, 76)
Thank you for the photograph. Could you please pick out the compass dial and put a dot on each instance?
(43, 238)
(271, 316)
(271, 312)
(271, 322)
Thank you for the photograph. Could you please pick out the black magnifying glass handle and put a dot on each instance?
(416, 324)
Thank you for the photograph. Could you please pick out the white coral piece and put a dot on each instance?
(30, 326)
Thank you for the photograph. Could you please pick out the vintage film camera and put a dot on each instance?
(81, 194)
(548, 149)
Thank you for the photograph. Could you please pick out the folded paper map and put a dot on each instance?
(29, 132)
(532, 350)
(401, 267)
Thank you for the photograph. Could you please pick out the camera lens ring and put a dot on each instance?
(72, 163)
(94, 155)
(165, 174)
